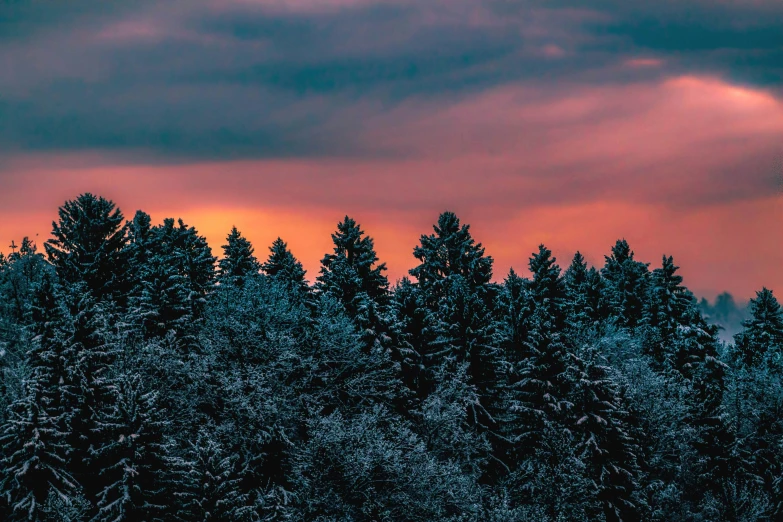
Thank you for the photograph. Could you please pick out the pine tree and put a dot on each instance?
(21, 275)
(84, 349)
(133, 455)
(546, 291)
(627, 285)
(352, 276)
(409, 324)
(457, 299)
(88, 246)
(538, 395)
(512, 309)
(34, 459)
(238, 260)
(139, 250)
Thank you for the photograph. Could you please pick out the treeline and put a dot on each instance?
(144, 380)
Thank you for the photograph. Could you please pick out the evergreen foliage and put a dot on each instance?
(238, 260)
(142, 379)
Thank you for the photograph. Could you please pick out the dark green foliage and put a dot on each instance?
(583, 299)
(141, 380)
(173, 282)
(352, 269)
(207, 484)
(762, 337)
(282, 264)
(450, 251)
(238, 260)
(132, 454)
(627, 283)
(88, 246)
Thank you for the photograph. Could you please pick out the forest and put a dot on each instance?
(145, 378)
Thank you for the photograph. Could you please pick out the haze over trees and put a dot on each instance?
(143, 379)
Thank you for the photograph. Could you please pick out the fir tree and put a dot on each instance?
(353, 261)
(627, 285)
(763, 334)
(584, 289)
(88, 246)
(33, 441)
(133, 455)
(207, 484)
(669, 307)
(238, 260)
(450, 251)
(282, 264)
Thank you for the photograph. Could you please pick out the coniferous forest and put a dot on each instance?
(143, 379)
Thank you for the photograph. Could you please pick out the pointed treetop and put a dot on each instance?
(451, 251)
(87, 244)
(282, 263)
(238, 259)
(621, 252)
(766, 316)
(354, 252)
(547, 285)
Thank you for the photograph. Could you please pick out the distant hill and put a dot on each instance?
(726, 313)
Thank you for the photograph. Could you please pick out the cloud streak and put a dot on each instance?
(528, 117)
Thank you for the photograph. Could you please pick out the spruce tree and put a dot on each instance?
(133, 456)
(454, 283)
(238, 260)
(206, 484)
(538, 394)
(546, 290)
(450, 251)
(627, 282)
(763, 334)
(87, 342)
(33, 445)
(88, 246)
(175, 282)
(352, 276)
(669, 307)
(139, 251)
(353, 260)
(584, 288)
(282, 265)
(605, 438)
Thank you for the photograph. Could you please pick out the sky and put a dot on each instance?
(558, 121)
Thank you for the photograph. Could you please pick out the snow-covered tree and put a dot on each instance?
(88, 246)
(132, 455)
(627, 283)
(762, 336)
(238, 260)
(206, 484)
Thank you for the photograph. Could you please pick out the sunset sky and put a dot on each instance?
(565, 122)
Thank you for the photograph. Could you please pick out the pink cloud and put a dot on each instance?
(683, 167)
